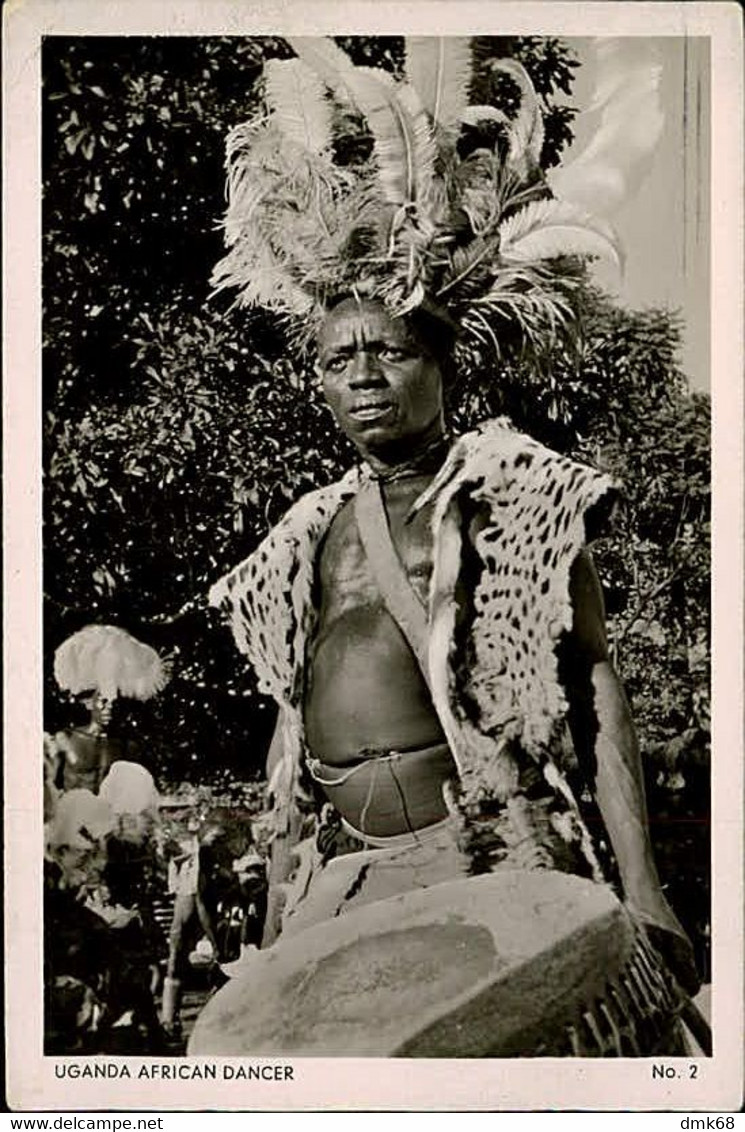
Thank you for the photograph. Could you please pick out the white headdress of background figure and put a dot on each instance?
(431, 217)
(108, 660)
(130, 791)
(76, 837)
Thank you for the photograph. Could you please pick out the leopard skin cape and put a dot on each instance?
(496, 684)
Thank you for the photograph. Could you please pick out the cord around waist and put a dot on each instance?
(390, 792)
(327, 774)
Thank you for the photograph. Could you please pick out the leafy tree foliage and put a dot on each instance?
(177, 431)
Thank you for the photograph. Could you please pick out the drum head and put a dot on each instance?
(475, 967)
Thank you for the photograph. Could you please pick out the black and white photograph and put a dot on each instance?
(359, 558)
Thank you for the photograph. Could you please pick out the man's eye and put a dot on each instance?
(394, 354)
(335, 365)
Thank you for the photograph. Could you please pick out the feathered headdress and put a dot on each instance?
(449, 208)
(107, 659)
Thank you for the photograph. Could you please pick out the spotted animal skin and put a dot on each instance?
(494, 679)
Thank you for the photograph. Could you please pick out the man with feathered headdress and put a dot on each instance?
(430, 623)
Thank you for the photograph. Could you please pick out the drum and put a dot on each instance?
(512, 964)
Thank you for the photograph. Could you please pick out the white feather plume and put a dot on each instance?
(439, 69)
(295, 95)
(526, 132)
(326, 60)
(423, 214)
(548, 228)
(109, 660)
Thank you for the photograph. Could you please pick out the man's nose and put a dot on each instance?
(365, 369)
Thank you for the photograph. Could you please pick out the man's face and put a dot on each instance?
(100, 707)
(378, 379)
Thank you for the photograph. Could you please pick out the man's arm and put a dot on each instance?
(608, 751)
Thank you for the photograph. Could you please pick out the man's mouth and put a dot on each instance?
(370, 411)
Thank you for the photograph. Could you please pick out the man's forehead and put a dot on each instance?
(353, 321)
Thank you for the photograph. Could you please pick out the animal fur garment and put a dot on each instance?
(495, 685)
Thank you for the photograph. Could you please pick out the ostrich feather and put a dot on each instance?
(261, 280)
(403, 141)
(546, 211)
(439, 69)
(474, 115)
(281, 203)
(624, 122)
(557, 240)
(296, 248)
(332, 65)
(404, 145)
(111, 661)
(251, 174)
(294, 93)
(526, 131)
(548, 228)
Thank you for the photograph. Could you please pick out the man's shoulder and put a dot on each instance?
(511, 481)
(497, 459)
(296, 533)
(319, 503)
(496, 448)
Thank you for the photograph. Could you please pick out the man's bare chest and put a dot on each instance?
(346, 579)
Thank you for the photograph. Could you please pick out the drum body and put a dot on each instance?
(512, 964)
